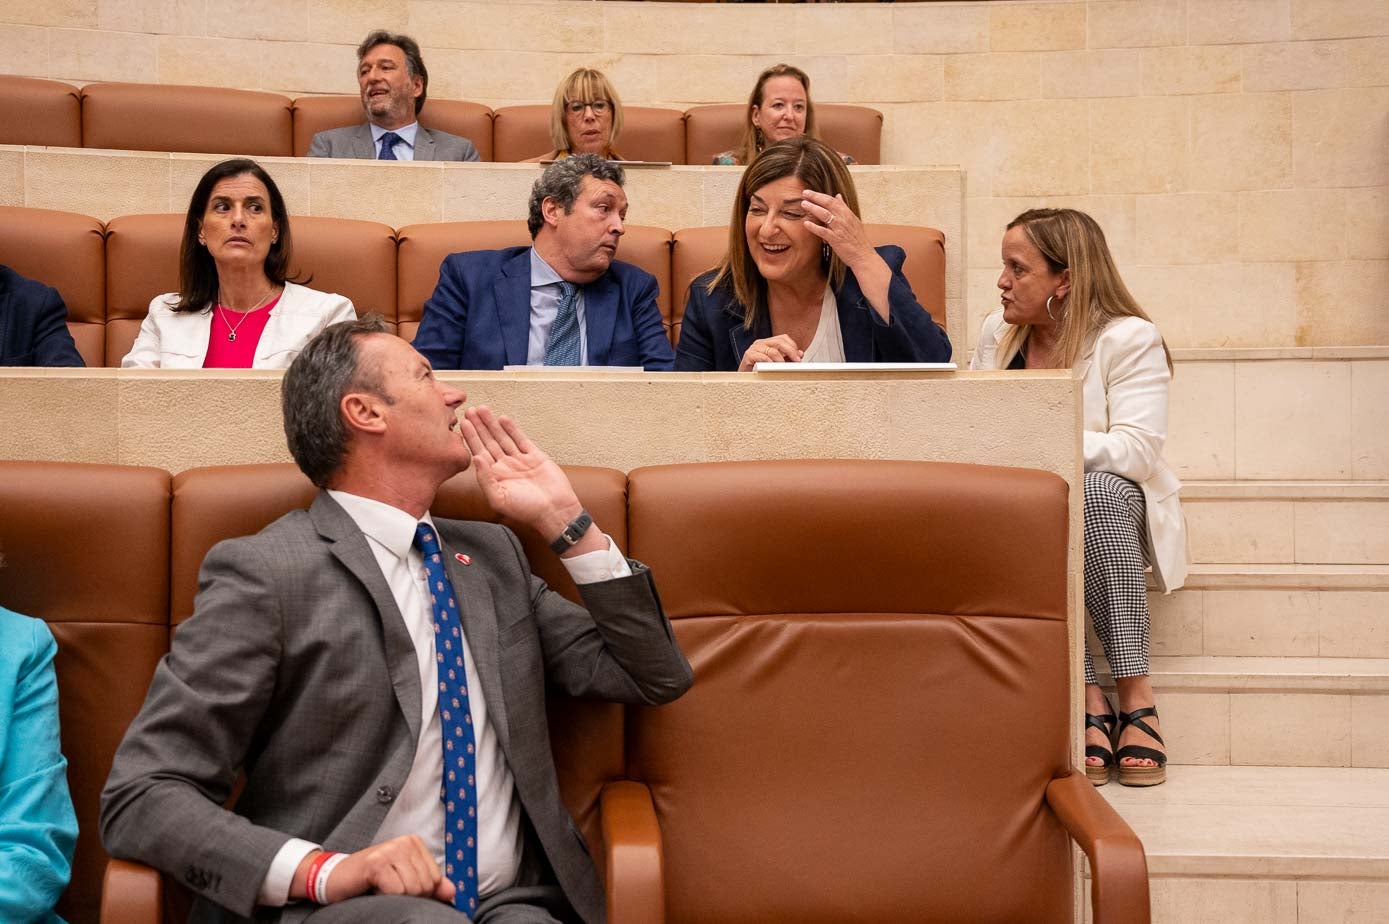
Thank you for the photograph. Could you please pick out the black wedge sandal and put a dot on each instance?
(1105, 723)
(1141, 776)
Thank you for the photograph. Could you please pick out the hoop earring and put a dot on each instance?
(1049, 314)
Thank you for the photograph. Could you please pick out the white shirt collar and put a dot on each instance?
(406, 132)
(390, 527)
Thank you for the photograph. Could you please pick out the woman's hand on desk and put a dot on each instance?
(778, 349)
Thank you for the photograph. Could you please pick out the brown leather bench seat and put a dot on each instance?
(256, 123)
(837, 756)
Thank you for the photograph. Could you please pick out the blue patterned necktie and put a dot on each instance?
(388, 141)
(563, 346)
(458, 792)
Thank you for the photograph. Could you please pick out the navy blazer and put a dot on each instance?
(479, 315)
(713, 339)
(33, 324)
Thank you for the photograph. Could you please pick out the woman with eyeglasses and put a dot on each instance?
(586, 117)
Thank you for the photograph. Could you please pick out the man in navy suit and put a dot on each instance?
(562, 301)
(33, 324)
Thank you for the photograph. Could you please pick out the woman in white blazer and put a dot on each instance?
(235, 308)
(1065, 306)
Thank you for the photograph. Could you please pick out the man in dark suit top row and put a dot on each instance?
(394, 83)
(33, 324)
(316, 660)
(513, 307)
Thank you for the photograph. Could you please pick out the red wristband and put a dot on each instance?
(314, 867)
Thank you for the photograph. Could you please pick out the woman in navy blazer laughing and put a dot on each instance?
(800, 281)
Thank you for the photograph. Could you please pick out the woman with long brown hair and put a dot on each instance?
(779, 108)
(800, 281)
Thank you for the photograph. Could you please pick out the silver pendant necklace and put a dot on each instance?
(231, 329)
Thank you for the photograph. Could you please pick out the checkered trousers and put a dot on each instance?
(1116, 591)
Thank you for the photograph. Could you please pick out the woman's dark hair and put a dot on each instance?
(818, 167)
(197, 273)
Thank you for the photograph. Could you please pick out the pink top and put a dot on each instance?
(236, 350)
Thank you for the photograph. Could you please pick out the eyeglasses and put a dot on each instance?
(577, 107)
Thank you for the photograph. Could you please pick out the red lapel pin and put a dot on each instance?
(463, 558)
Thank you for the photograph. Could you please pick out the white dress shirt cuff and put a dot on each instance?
(274, 891)
(601, 565)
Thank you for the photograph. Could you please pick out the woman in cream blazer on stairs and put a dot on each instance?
(1064, 305)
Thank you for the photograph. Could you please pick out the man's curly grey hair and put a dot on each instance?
(561, 181)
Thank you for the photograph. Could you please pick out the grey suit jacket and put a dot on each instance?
(355, 141)
(297, 667)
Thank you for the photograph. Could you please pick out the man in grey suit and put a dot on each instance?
(394, 84)
(311, 662)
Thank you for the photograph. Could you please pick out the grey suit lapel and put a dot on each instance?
(350, 547)
(424, 144)
(479, 617)
(362, 145)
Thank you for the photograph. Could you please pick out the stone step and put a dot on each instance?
(1288, 522)
(1274, 845)
(1336, 611)
(1279, 712)
(1251, 414)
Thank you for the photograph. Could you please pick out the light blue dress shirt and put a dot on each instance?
(545, 296)
(404, 148)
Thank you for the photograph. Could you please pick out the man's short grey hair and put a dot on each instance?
(312, 391)
(561, 181)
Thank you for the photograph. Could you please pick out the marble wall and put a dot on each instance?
(1234, 150)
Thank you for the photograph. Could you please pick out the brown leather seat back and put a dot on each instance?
(313, 114)
(207, 120)
(87, 550)
(223, 502)
(352, 258)
(34, 111)
(520, 132)
(652, 133)
(881, 690)
(422, 248)
(68, 252)
(852, 130)
(141, 263)
(649, 248)
(693, 251)
(697, 250)
(711, 130)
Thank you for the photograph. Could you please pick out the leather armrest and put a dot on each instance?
(1118, 866)
(636, 872)
(131, 894)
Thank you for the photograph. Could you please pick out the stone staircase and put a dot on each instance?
(1271, 665)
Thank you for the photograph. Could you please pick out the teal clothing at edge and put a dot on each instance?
(38, 828)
